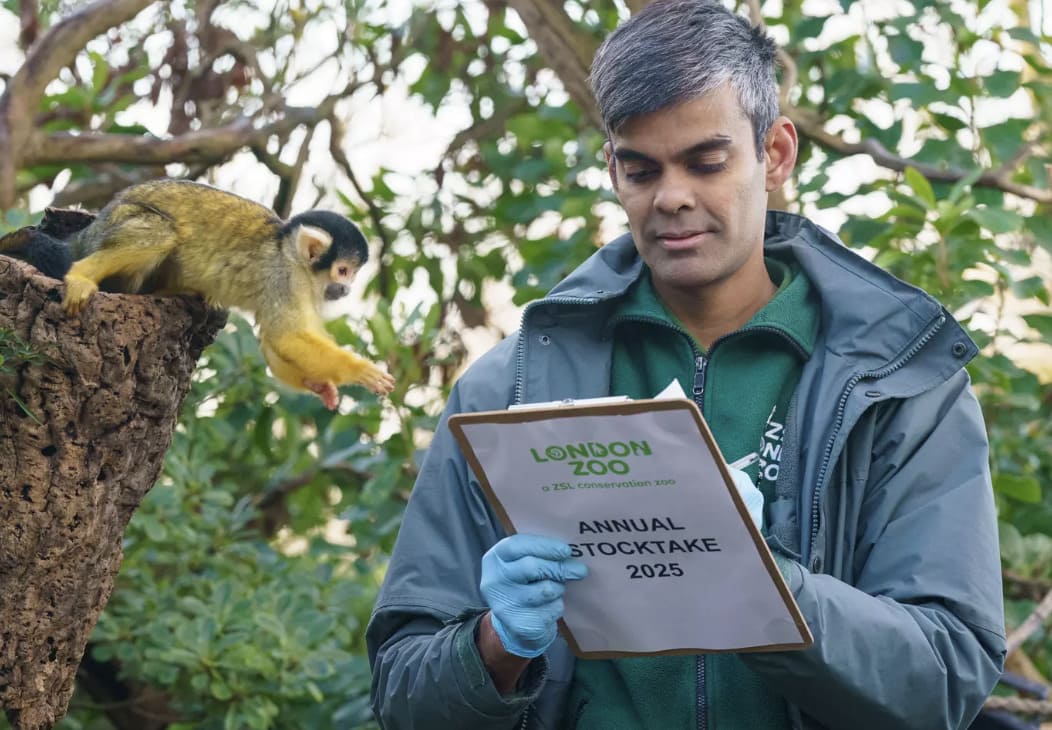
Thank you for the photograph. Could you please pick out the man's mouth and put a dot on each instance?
(681, 240)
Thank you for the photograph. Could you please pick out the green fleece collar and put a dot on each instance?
(788, 311)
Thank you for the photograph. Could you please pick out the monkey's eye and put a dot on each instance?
(343, 271)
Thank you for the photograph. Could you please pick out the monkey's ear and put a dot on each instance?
(312, 242)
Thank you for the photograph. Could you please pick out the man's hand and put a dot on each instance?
(522, 582)
(752, 496)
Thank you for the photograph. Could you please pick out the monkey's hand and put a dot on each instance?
(78, 291)
(376, 379)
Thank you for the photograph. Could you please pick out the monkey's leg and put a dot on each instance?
(309, 360)
(287, 373)
(83, 279)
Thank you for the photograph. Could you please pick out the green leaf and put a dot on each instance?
(921, 94)
(996, 220)
(1042, 323)
(920, 185)
(1002, 84)
(100, 71)
(1013, 550)
(1041, 227)
(963, 185)
(270, 624)
(220, 690)
(1032, 287)
(1023, 34)
(905, 51)
(316, 667)
(810, 26)
(1006, 138)
(1023, 488)
(949, 122)
(155, 530)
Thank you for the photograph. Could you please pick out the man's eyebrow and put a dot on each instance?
(719, 142)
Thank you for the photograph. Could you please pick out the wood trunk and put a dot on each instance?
(83, 432)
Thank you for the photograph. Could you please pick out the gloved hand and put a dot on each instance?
(752, 496)
(522, 582)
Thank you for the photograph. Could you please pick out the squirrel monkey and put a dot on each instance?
(179, 237)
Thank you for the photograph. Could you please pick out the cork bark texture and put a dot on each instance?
(104, 402)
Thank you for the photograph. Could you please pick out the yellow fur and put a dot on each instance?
(179, 237)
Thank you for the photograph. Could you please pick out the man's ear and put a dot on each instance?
(611, 162)
(312, 242)
(780, 149)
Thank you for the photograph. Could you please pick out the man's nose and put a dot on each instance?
(674, 193)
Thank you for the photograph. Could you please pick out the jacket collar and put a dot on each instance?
(868, 316)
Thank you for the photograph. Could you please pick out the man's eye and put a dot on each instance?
(708, 166)
(640, 175)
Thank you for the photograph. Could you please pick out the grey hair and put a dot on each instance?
(675, 51)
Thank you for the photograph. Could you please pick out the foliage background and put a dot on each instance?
(459, 135)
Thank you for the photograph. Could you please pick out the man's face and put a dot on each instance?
(695, 193)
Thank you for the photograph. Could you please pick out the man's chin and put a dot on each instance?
(680, 275)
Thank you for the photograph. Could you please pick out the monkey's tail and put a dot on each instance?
(48, 254)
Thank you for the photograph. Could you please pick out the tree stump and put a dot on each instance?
(103, 402)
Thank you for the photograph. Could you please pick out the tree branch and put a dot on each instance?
(272, 504)
(95, 192)
(207, 144)
(289, 175)
(788, 64)
(565, 48)
(490, 127)
(54, 50)
(811, 128)
(29, 17)
(375, 214)
(1033, 622)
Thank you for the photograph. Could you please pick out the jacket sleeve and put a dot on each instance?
(427, 672)
(918, 640)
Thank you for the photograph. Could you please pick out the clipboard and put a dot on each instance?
(641, 492)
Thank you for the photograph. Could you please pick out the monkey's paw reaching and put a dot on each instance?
(377, 381)
(78, 292)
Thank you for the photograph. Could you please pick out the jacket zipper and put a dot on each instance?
(520, 347)
(700, 366)
(933, 328)
(701, 363)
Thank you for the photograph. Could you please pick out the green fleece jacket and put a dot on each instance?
(742, 385)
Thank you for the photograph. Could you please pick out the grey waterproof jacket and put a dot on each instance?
(883, 500)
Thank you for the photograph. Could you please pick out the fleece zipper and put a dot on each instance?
(701, 363)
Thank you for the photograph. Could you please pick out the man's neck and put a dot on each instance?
(722, 307)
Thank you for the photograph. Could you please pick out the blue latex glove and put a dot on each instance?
(522, 582)
(752, 496)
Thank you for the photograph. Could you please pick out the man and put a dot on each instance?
(878, 505)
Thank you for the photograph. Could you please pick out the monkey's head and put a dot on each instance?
(332, 246)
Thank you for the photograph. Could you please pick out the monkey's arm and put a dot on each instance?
(313, 361)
